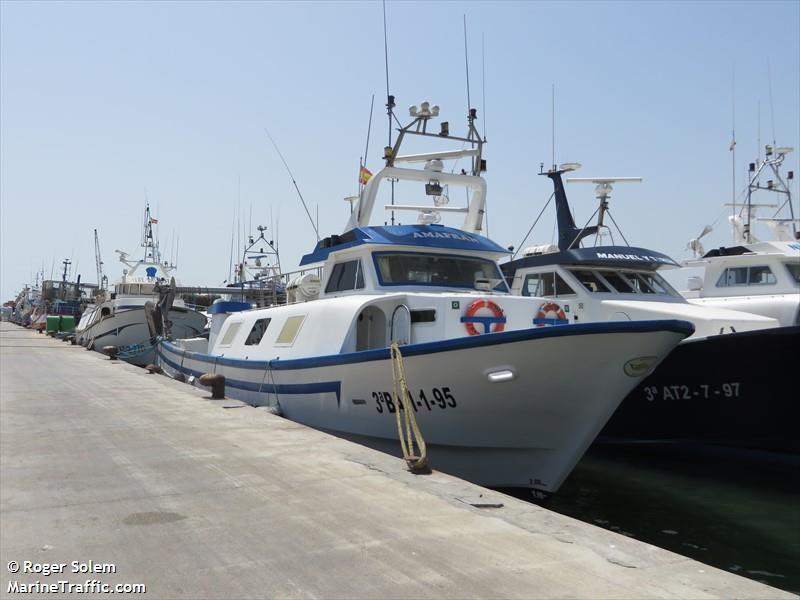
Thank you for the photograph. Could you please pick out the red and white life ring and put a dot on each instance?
(493, 324)
(550, 313)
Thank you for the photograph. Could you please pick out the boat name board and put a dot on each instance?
(642, 258)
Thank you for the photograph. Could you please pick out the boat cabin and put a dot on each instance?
(761, 277)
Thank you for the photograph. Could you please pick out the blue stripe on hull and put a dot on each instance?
(334, 387)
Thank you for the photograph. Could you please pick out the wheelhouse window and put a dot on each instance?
(618, 281)
(345, 276)
(546, 284)
(230, 333)
(412, 268)
(624, 282)
(654, 282)
(760, 276)
(257, 332)
(590, 281)
(794, 271)
(741, 276)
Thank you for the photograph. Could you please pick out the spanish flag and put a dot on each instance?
(363, 175)
(153, 220)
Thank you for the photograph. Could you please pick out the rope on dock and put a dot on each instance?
(407, 428)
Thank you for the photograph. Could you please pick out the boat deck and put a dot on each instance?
(200, 498)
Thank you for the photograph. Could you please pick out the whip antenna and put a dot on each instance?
(288, 170)
(369, 128)
(733, 142)
(389, 103)
(466, 63)
(553, 122)
(483, 86)
(771, 107)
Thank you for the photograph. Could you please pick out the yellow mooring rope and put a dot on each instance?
(407, 429)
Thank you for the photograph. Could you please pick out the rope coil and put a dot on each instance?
(407, 428)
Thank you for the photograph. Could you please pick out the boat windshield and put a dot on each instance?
(794, 271)
(417, 268)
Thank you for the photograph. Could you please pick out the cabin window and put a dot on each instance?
(591, 281)
(257, 332)
(546, 284)
(230, 333)
(346, 276)
(794, 271)
(618, 281)
(290, 329)
(760, 276)
(407, 268)
(654, 282)
(740, 276)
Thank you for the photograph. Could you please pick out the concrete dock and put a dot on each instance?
(197, 498)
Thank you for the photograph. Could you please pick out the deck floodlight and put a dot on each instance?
(412, 110)
(387, 152)
(770, 184)
(483, 165)
(445, 129)
(768, 149)
(424, 109)
(790, 175)
(433, 188)
(752, 167)
(435, 110)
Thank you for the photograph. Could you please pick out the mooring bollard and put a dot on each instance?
(111, 351)
(179, 377)
(151, 368)
(216, 381)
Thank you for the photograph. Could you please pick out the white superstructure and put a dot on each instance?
(753, 275)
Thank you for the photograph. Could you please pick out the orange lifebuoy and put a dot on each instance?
(550, 308)
(470, 318)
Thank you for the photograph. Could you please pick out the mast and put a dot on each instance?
(148, 242)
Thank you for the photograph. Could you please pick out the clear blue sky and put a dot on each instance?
(102, 101)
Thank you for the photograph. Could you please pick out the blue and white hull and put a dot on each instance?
(511, 409)
(127, 329)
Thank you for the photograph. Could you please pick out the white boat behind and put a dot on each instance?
(753, 275)
(120, 320)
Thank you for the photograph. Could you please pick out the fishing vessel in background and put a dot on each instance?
(119, 319)
(713, 387)
(758, 276)
(498, 400)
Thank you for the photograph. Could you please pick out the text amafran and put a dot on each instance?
(445, 235)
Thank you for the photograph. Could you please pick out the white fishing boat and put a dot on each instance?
(498, 401)
(761, 277)
(120, 321)
(730, 383)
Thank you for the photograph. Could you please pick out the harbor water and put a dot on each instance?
(736, 511)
